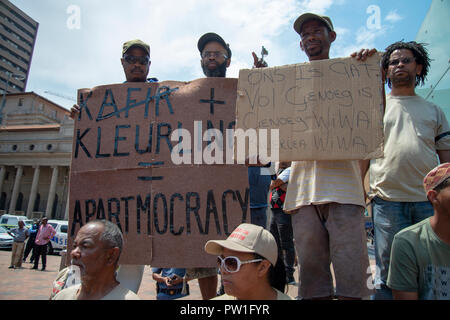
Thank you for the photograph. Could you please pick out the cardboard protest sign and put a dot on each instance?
(123, 169)
(324, 110)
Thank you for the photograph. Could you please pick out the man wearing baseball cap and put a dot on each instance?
(420, 256)
(136, 66)
(326, 200)
(248, 261)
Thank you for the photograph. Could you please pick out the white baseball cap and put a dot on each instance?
(247, 238)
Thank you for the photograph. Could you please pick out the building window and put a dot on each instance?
(49, 147)
(31, 147)
(20, 102)
(14, 147)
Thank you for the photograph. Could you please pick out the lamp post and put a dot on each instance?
(16, 76)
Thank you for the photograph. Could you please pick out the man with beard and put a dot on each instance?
(326, 199)
(136, 66)
(96, 251)
(416, 134)
(215, 56)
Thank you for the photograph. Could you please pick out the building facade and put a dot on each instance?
(17, 39)
(35, 154)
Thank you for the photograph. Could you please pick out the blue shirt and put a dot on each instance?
(259, 187)
(168, 272)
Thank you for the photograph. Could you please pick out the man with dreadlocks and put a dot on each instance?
(416, 134)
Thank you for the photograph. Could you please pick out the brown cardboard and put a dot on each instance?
(106, 166)
(324, 110)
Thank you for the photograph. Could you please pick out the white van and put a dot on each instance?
(10, 221)
(59, 241)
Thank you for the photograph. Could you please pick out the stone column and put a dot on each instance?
(34, 188)
(16, 188)
(2, 177)
(52, 192)
(66, 214)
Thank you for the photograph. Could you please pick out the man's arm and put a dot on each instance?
(364, 167)
(444, 155)
(405, 295)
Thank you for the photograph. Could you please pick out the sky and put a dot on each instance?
(79, 43)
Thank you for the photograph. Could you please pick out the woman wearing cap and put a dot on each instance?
(249, 265)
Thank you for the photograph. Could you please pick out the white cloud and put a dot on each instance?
(393, 16)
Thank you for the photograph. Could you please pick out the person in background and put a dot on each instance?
(420, 256)
(44, 234)
(19, 234)
(30, 242)
(281, 223)
(170, 283)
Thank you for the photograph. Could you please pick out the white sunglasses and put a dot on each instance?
(233, 264)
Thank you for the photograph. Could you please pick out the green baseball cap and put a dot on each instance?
(135, 43)
(312, 16)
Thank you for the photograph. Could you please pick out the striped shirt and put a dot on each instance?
(320, 182)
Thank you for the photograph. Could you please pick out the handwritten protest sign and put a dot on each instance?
(324, 110)
(122, 169)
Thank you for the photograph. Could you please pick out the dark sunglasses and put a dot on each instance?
(132, 60)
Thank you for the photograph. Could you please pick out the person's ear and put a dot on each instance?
(332, 36)
(113, 255)
(228, 62)
(301, 46)
(432, 196)
(419, 69)
(263, 268)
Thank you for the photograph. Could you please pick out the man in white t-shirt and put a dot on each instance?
(326, 199)
(417, 136)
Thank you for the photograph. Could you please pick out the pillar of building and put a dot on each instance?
(16, 188)
(33, 192)
(66, 213)
(52, 192)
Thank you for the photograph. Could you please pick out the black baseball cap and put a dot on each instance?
(312, 16)
(211, 36)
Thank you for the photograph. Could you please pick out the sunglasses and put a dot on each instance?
(215, 54)
(232, 264)
(133, 59)
(404, 61)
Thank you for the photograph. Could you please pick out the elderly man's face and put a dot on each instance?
(136, 64)
(89, 253)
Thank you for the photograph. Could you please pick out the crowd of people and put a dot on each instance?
(316, 207)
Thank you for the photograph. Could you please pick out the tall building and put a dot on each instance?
(17, 39)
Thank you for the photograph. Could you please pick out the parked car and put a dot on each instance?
(10, 221)
(6, 241)
(59, 241)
